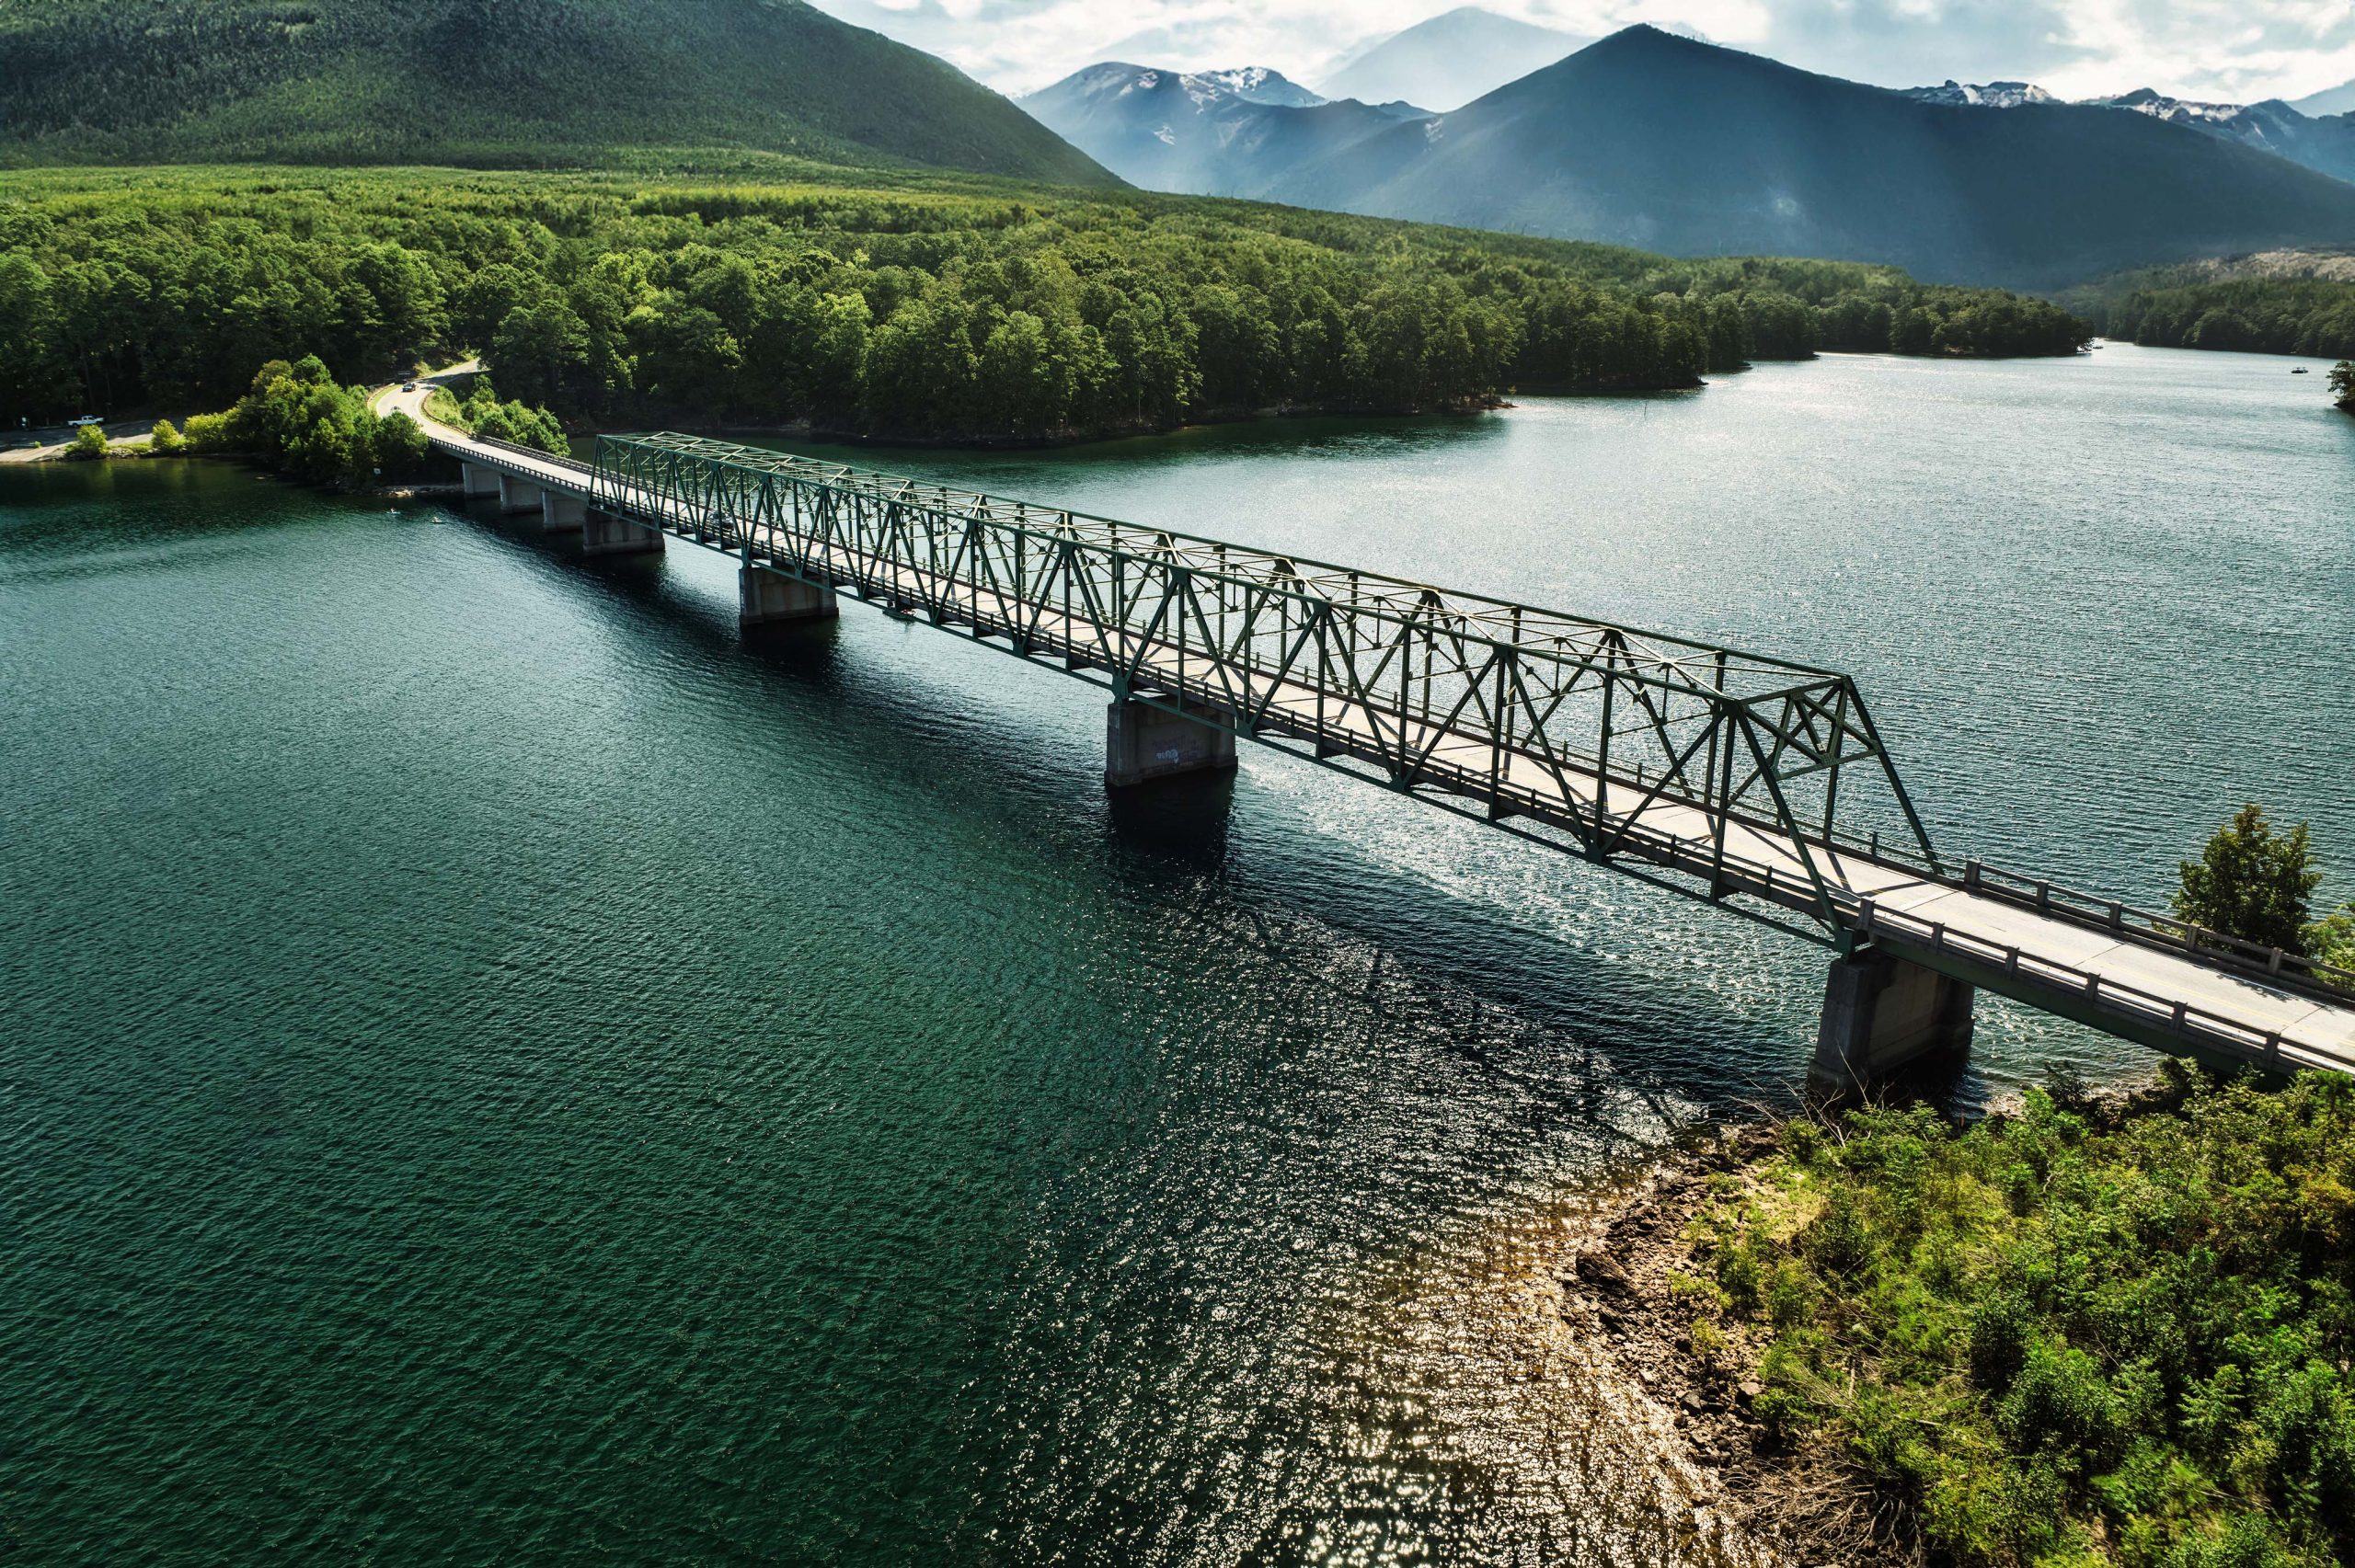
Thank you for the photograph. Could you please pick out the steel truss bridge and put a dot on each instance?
(1751, 783)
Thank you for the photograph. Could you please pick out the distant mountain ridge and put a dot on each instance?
(2324, 143)
(1663, 142)
(1988, 95)
(1447, 62)
(2339, 100)
(510, 81)
(1232, 132)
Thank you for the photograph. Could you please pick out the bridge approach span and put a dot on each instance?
(1757, 783)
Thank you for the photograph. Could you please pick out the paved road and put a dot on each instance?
(41, 446)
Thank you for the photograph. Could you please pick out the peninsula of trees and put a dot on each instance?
(908, 306)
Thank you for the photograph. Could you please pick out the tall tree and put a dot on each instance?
(2251, 882)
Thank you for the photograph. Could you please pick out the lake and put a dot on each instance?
(496, 1069)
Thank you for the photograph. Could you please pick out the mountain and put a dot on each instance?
(2339, 100)
(1448, 61)
(2175, 111)
(506, 80)
(1668, 143)
(1257, 83)
(2325, 144)
(1212, 134)
(1988, 95)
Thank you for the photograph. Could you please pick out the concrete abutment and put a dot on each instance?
(562, 511)
(477, 479)
(1142, 742)
(1881, 1014)
(603, 533)
(772, 599)
(517, 495)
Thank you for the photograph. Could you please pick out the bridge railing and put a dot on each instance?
(1451, 685)
(2187, 1020)
(2218, 1032)
(534, 454)
(2150, 928)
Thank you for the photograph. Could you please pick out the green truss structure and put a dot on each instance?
(1508, 712)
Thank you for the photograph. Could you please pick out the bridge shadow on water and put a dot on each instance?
(1185, 822)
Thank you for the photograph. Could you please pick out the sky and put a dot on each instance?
(2230, 51)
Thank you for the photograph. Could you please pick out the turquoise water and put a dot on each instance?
(492, 1069)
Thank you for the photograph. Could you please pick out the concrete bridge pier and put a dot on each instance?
(517, 495)
(772, 599)
(1882, 1013)
(477, 479)
(1142, 742)
(562, 511)
(604, 534)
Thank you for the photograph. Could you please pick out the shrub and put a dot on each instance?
(519, 426)
(166, 438)
(88, 445)
(209, 432)
(2059, 1400)
(2331, 939)
(1839, 1242)
(1998, 1343)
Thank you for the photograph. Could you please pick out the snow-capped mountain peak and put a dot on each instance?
(1985, 95)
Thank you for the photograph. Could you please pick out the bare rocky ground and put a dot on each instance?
(1792, 1505)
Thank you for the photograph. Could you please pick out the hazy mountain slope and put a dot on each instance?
(2339, 100)
(1447, 62)
(1652, 140)
(2325, 144)
(504, 80)
(1199, 133)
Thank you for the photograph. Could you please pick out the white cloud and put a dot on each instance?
(2238, 50)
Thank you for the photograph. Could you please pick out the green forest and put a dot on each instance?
(504, 84)
(2257, 315)
(899, 306)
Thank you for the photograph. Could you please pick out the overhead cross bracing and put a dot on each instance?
(1759, 783)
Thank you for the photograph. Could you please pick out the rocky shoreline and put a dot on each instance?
(1790, 1506)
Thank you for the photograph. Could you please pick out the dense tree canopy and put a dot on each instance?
(2256, 315)
(296, 419)
(502, 84)
(928, 310)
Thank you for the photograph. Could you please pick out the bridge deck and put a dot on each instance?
(2114, 979)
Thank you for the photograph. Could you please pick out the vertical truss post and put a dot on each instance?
(1603, 744)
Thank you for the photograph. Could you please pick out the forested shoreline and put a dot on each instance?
(924, 308)
(2311, 316)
